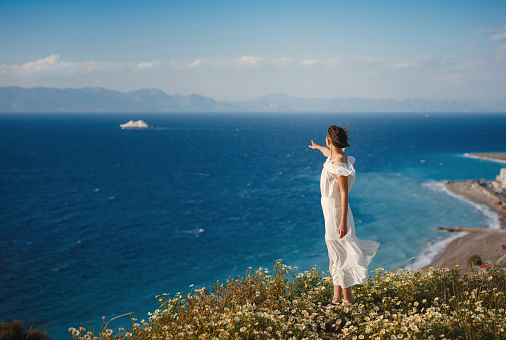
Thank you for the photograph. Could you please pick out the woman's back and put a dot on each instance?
(328, 183)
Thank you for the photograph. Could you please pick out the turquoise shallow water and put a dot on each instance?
(96, 221)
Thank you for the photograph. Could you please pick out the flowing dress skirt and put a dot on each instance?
(349, 256)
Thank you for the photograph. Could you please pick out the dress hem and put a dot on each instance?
(340, 276)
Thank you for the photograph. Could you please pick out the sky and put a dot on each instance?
(240, 50)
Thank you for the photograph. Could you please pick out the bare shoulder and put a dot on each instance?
(339, 158)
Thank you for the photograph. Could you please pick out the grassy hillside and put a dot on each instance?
(438, 304)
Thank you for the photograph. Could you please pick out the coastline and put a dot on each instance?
(487, 245)
(499, 157)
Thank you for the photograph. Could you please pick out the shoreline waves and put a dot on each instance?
(436, 247)
(458, 248)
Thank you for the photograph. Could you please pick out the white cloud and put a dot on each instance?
(499, 33)
(474, 42)
(195, 63)
(184, 64)
(309, 62)
(54, 64)
(90, 66)
(48, 62)
(498, 36)
(146, 65)
(250, 60)
(488, 30)
(340, 62)
(420, 62)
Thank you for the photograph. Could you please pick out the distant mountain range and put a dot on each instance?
(43, 99)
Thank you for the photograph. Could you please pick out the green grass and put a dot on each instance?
(438, 304)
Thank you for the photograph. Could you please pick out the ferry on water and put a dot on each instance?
(137, 125)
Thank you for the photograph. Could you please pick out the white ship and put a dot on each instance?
(139, 124)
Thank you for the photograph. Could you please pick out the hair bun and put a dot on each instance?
(338, 136)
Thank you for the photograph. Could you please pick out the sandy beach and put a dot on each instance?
(488, 245)
(498, 156)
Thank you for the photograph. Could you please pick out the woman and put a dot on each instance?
(349, 256)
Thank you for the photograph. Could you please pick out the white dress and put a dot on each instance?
(349, 256)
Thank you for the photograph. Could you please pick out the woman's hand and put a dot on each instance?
(313, 145)
(342, 230)
(324, 150)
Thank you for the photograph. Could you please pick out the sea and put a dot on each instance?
(95, 221)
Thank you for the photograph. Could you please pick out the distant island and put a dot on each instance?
(45, 99)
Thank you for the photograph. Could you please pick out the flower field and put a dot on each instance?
(437, 304)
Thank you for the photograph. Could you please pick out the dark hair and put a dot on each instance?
(338, 136)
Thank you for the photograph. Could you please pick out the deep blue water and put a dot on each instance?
(96, 221)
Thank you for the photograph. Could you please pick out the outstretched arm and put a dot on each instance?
(324, 150)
